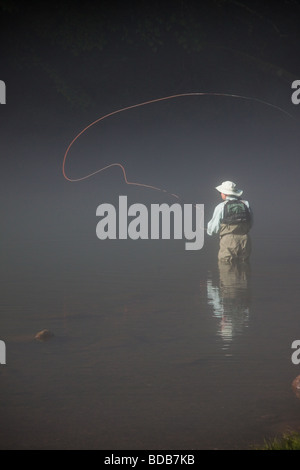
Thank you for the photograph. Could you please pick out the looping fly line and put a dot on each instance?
(144, 104)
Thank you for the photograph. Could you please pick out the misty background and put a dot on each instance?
(66, 64)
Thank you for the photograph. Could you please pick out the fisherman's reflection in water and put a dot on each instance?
(230, 299)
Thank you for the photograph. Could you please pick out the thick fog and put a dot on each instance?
(185, 146)
(130, 317)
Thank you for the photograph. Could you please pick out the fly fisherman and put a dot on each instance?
(232, 219)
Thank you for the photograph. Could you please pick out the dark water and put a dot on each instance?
(154, 348)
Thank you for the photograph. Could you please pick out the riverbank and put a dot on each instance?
(288, 441)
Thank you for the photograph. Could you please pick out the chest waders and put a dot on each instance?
(235, 242)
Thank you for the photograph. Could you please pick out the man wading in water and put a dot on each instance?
(232, 219)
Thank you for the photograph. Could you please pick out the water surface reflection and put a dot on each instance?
(143, 357)
(230, 299)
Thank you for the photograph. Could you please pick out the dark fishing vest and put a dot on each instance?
(236, 218)
(235, 212)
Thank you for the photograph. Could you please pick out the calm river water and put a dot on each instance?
(154, 347)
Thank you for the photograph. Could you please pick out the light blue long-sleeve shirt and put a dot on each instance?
(213, 225)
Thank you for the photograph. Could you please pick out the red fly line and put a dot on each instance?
(127, 108)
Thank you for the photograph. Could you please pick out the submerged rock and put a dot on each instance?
(44, 335)
(296, 386)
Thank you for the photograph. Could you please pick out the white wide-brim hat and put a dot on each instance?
(229, 188)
